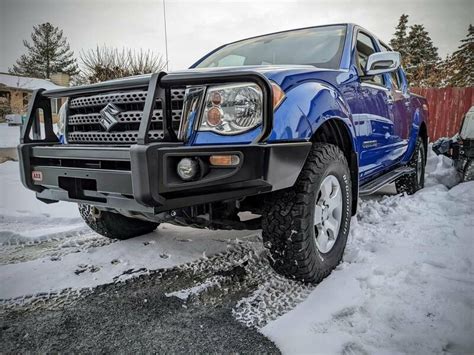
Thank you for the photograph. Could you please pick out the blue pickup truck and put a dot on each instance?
(281, 132)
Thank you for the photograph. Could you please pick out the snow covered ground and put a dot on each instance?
(9, 135)
(406, 284)
(9, 139)
(74, 256)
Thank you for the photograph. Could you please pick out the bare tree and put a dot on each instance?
(144, 62)
(105, 63)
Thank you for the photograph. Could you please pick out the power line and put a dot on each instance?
(166, 35)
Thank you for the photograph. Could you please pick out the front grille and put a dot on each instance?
(83, 123)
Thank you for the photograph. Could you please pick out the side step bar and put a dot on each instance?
(381, 181)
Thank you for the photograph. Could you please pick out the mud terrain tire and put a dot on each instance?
(114, 225)
(289, 228)
(468, 174)
(413, 182)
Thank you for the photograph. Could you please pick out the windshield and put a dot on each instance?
(318, 46)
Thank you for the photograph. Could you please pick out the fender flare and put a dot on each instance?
(323, 105)
(320, 102)
(417, 121)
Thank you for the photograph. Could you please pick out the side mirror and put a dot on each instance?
(382, 62)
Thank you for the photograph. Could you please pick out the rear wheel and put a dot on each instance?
(416, 181)
(114, 225)
(468, 174)
(305, 227)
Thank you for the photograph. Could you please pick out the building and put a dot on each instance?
(15, 92)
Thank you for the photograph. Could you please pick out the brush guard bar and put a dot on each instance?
(158, 87)
(142, 177)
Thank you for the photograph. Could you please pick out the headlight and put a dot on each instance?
(62, 122)
(232, 109)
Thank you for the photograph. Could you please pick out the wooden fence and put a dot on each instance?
(447, 107)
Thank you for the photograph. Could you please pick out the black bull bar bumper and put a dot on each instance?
(143, 178)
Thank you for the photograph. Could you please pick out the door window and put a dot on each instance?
(395, 78)
(365, 47)
(395, 75)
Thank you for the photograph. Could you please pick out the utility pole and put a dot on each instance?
(166, 35)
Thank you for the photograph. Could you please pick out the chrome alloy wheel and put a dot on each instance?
(328, 213)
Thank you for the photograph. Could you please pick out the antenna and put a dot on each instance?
(166, 35)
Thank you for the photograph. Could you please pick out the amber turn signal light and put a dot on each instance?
(224, 160)
(278, 95)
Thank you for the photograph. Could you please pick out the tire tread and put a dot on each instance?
(114, 225)
(287, 220)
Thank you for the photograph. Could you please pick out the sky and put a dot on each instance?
(196, 27)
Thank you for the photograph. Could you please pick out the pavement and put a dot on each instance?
(149, 313)
(65, 288)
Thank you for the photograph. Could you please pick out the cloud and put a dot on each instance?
(196, 27)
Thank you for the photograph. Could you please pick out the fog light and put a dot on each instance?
(187, 169)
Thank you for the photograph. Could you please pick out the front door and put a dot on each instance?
(374, 124)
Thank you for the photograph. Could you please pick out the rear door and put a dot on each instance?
(400, 111)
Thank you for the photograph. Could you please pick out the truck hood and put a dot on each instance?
(283, 75)
(276, 73)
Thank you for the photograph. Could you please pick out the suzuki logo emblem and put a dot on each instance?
(108, 116)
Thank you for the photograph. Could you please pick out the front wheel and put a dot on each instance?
(114, 225)
(305, 227)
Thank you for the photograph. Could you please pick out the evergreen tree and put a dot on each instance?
(422, 59)
(440, 76)
(48, 53)
(399, 40)
(460, 65)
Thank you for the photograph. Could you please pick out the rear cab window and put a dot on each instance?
(396, 80)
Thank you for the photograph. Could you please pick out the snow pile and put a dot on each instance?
(9, 135)
(24, 219)
(406, 283)
(46, 229)
(16, 201)
(440, 170)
